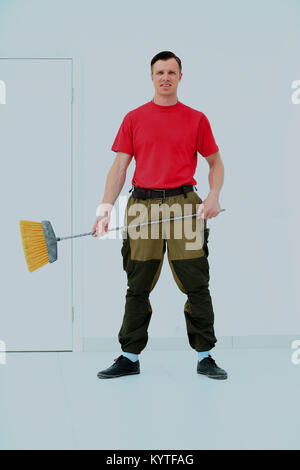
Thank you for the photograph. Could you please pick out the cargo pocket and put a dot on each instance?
(125, 251)
(205, 243)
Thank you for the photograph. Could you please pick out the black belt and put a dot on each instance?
(144, 193)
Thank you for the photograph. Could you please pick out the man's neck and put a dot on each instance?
(164, 101)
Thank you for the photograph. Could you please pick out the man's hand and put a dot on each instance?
(102, 220)
(209, 208)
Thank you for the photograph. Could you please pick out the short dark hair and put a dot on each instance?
(165, 55)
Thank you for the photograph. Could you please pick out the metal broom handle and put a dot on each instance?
(131, 226)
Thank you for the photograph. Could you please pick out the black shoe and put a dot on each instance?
(209, 367)
(121, 366)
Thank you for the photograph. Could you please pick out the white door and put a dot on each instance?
(35, 150)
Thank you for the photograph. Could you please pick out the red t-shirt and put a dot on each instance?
(164, 141)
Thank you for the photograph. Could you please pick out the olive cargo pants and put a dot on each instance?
(143, 252)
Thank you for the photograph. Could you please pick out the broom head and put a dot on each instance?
(39, 243)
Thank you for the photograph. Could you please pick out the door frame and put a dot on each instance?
(77, 204)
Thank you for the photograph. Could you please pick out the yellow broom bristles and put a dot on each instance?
(34, 244)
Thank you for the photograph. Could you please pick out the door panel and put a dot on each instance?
(35, 149)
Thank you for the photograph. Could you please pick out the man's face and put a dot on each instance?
(166, 76)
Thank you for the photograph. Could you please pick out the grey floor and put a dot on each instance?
(56, 401)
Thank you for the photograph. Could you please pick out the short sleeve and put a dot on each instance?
(123, 141)
(206, 144)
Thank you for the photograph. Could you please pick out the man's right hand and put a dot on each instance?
(102, 222)
(100, 226)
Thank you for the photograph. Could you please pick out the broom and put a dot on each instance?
(40, 242)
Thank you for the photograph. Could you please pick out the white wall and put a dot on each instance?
(239, 60)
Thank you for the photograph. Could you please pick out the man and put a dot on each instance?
(164, 135)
